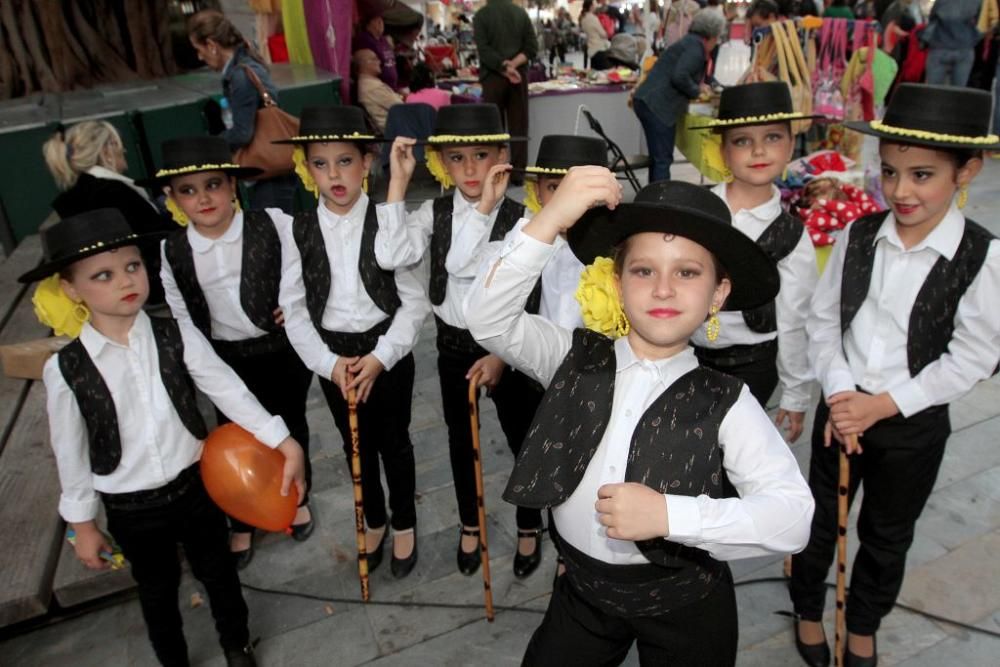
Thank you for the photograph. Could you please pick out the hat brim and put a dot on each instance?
(919, 138)
(749, 121)
(333, 138)
(46, 269)
(163, 176)
(754, 276)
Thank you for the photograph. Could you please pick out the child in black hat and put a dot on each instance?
(765, 346)
(222, 275)
(468, 151)
(904, 321)
(354, 318)
(126, 431)
(635, 429)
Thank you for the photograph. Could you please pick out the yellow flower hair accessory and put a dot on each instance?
(56, 310)
(600, 306)
(299, 158)
(531, 201)
(179, 216)
(434, 165)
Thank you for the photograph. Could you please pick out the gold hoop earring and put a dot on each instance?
(81, 312)
(364, 184)
(713, 325)
(963, 196)
(727, 175)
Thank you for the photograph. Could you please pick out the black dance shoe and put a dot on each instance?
(302, 531)
(375, 557)
(525, 565)
(814, 655)
(851, 660)
(244, 557)
(240, 657)
(401, 567)
(468, 561)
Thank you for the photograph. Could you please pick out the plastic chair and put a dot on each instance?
(619, 162)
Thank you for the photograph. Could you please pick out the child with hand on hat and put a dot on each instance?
(126, 431)
(765, 346)
(354, 319)
(635, 429)
(222, 274)
(904, 321)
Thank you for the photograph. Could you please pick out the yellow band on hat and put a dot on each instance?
(547, 170)
(934, 136)
(467, 138)
(756, 120)
(331, 137)
(196, 167)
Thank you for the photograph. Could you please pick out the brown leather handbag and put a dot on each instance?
(270, 124)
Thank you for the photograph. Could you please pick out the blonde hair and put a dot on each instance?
(72, 152)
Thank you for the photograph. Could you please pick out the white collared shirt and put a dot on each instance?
(872, 353)
(773, 512)
(799, 275)
(156, 446)
(348, 308)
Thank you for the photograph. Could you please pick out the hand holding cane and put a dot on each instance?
(359, 508)
(478, 463)
(843, 483)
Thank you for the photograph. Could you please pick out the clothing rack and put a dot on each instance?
(811, 22)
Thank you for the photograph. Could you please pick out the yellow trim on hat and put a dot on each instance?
(356, 136)
(196, 167)
(547, 170)
(756, 120)
(467, 138)
(933, 136)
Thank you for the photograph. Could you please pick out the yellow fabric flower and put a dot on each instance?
(531, 196)
(179, 216)
(597, 294)
(434, 165)
(56, 310)
(299, 158)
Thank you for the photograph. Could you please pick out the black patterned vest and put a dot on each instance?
(932, 319)
(508, 215)
(98, 406)
(260, 278)
(778, 241)
(317, 278)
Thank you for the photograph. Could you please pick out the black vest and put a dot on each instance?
(508, 215)
(674, 448)
(932, 319)
(778, 241)
(316, 271)
(260, 276)
(98, 406)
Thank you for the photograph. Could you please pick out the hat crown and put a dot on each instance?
(185, 152)
(332, 121)
(563, 151)
(752, 100)
(70, 236)
(963, 112)
(468, 120)
(678, 194)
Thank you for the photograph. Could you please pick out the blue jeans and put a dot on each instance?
(659, 139)
(950, 67)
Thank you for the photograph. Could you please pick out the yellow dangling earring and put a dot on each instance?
(179, 216)
(963, 196)
(713, 325)
(622, 325)
(81, 312)
(727, 175)
(236, 205)
(364, 184)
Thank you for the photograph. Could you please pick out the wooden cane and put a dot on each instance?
(359, 506)
(478, 463)
(843, 482)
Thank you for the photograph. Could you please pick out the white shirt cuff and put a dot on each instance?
(838, 381)
(910, 398)
(325, 367)
(273, 432)
(683, 519)
(78, 511)
(384, 353)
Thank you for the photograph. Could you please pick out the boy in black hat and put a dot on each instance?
(627, 445)
(126, 431)
(221, 275)
(354, 319)
(903, 322)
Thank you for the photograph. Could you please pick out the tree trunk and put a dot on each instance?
(69, 68)
(107, 66)
(17, 48)
(33, 40)
(8, 70)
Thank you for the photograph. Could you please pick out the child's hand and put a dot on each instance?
(851, 443)
(339, 375)
(853, 412)
(631, 511)
(364, 370)
(295, 467)
(795, 422)
(492, 370)
(494, 187)
(401, 166)
(90, 542)
(279, 317)
(582, 189)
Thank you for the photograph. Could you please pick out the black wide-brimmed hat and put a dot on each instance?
(558, 153)
(189, 155)
(755, 104)
(937, 117)
(682, 209)
(83, 235)
(333, 123)
(469, 125)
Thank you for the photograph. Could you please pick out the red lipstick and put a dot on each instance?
(663, 313)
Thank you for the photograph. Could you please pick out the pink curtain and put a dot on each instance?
(329, 24)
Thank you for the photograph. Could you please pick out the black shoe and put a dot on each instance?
(814, 655)
(468, 561)
(244, 557)
(375, 557)
(851, 660)
(302, 531)
(240, 657)
(525, 565)
(401, 567)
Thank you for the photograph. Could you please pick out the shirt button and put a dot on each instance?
(611, 469)
(628, 413)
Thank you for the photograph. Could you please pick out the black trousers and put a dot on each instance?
(280, 382)
(574, 632)
(149, 537)
(756, 365)
(898, 467)
(513, 102)
(383, 431)
(516, 397)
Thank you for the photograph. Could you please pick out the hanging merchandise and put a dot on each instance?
(792, 70)
(763, 62)
(829, 70)
(293, 18)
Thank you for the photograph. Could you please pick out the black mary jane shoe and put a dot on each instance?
(400, 567)
(240, 657)
(851, 660)
(525, 565)
(244, 557)
(375, 557)
(468, 561)
(814, 655)
(302, 531)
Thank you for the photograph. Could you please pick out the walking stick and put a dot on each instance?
(478, 463)
(843, 483)
(359, 507)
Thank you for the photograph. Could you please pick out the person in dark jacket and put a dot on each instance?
(676, 78)
(88, 164)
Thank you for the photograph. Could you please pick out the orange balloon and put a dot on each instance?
(243, 477)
